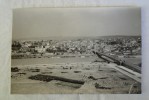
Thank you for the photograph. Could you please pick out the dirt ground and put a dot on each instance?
(98, 77)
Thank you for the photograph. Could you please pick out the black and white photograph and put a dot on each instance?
(81, 50)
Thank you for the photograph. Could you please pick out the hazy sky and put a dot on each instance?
(46, 22)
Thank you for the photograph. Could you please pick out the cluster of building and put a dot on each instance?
(120, 46)
(108, 45)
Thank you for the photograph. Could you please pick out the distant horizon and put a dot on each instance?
(71, 37)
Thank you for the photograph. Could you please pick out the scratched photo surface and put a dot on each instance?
(76, 50)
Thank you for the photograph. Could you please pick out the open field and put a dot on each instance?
(64, 77)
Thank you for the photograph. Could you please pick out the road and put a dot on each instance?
(133, 72)
(119, 62)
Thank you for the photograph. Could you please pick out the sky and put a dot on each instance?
(76, 22)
